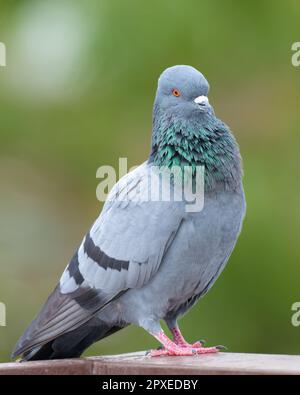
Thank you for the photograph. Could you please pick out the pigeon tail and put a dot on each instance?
(71, 344)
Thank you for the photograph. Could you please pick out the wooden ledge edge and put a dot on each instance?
(140, 364)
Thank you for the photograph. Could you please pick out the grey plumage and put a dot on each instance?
(143, 261)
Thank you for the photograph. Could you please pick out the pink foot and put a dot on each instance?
(180, 340)
(172, 349)
(184, 352)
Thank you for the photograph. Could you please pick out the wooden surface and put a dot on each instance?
(138, 363)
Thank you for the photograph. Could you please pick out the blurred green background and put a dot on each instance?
(77, 93)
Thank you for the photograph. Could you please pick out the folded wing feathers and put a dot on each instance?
(123, 250)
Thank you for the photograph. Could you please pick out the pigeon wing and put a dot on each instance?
(123, 250)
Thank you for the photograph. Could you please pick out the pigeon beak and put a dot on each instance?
(202, 101)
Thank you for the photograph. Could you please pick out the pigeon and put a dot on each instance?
(147, 260)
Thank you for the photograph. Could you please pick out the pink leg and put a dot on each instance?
(180, 340)
(172, 349)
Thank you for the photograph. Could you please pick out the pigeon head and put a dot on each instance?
(186, 131)
(182, 92)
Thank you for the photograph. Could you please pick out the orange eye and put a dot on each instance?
(175, 92)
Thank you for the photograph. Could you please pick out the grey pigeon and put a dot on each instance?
(146, 260)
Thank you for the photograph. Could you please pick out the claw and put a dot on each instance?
(160, 350)
(221, 347)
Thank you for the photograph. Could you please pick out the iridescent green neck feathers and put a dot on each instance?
(197, 142)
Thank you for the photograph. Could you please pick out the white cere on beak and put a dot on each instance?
(201, 100)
